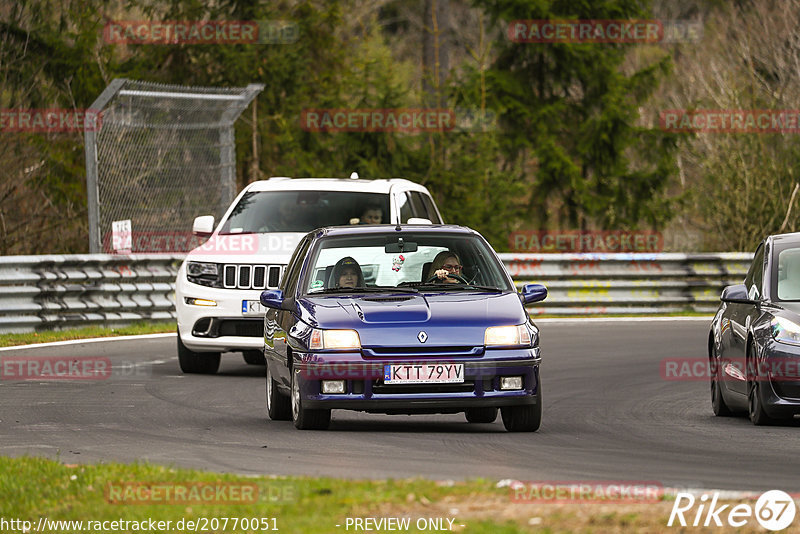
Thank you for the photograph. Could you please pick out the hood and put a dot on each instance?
(247, 248)
(458, 318)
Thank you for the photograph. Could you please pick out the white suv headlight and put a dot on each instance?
(204, 274)
(785, 331)
(507, 336)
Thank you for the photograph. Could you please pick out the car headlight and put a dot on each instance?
(334, 339)
(204, 274)
(785, 331)
(507, 336)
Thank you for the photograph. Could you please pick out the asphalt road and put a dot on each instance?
(608, 415)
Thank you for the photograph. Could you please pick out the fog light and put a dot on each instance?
(199, 302)
(332, 386)
(510, 382)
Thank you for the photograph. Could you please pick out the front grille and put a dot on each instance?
(379, 387)
(241, 327)
(422, 351)
(252, 276)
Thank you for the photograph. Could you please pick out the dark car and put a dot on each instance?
(754, 343)
(401, 319)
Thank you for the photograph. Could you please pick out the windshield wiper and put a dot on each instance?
(372, 289)
(458, 286)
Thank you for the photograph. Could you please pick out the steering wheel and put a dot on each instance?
(449, 275)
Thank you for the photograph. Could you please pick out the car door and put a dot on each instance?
(740, 316)
(278, 322)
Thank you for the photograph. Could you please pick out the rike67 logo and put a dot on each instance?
(774, 510)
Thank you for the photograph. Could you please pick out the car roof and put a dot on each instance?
(794, 236)
(282, 183)
(361, 229)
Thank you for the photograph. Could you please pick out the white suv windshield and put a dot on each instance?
(302, 211)
(375, 261)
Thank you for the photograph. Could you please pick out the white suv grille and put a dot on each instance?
(251, 276)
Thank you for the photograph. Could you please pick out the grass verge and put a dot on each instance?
(38, 487)
(8, 340)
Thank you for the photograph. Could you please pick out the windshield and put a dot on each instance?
(788, 274)
(303, 211)
(404, 260)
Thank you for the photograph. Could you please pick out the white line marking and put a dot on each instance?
(88, 340)
(631, 319)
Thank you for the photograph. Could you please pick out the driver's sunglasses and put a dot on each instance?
(451, 267)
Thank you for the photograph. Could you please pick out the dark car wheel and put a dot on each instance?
(526, 418)
(755, 406)
(205, 363)
(717, 401)
(279, 406)
(254, 357)
(481, 415)
(305, 419)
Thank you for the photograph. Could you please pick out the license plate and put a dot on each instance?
(253, 307)
(424, 373)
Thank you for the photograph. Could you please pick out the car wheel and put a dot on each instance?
(279, 406)
(205, 363)
(481, 415)
(526, 418)
(717, 401)
(755, 407)
(305, 419)
(254, 357)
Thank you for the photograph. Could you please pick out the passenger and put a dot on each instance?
(444, 264)
(372, 214)
(347, 273)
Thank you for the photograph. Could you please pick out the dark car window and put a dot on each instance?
(417, 205)
(433, 215)
(300, 211)
(786, 272)
(754, 281)
(292, 272)
(406, 211)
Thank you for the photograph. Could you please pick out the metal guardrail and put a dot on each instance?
(628, 283)
(55, 292)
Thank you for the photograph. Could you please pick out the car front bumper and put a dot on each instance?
(366, 391)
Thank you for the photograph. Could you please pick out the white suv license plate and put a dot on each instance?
(425, 373)
(253, 307)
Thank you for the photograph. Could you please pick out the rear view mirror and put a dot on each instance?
(533, 293)
(400, 246)
(736, 294)
(203, 226)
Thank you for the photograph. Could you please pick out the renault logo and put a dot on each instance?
(422, 336)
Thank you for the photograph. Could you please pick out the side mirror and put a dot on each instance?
(533, 293)
(736, 294)
(418, 220)
(203, 226)
(272, 298)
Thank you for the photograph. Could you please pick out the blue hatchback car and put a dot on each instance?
(401, 320)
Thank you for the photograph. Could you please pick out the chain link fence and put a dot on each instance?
(160, 156)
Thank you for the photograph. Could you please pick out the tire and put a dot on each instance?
(303, 418)
(755, 408)
(279, 406)
(525, 418)
(204, 363)
(254, 357)
(481, 415)
(717, 401)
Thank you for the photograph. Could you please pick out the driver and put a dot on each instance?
(444, 264)
(346, 273)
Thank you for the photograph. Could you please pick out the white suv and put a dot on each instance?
(219, 284)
